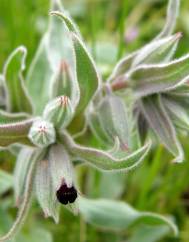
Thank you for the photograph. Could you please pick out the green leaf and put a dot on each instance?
(61, 55)
(172, 14)
(123, 66)
(25, 205)
(14, 149)
(6, 117)
(117, 187)
(178, 113)
(158, 51)
(24, 159)
(146, 233)
(113, 119)
(96, 127)
(15, 133)
(56, 47)
(68, 21)
(6, 181)
(150, 79)
(87, 75)
(154, 112)
(39, 76)
(103, 160)
(5, 219)
(180, 91)
(180, 95)
(116, 215)
(17, 95)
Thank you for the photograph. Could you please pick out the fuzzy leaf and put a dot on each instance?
(16, 93)
(123, 66)
(61, 54)
(14, 149)
(25, 205)
(6, 182)
(96, 127)
(20, 173)
(180, 92)
(44, 190)
(181, 96)
(146, 233)
(15, 133)
(113, 119)
(178, 113)
(126, 63)
(68, 21)
(87, 74)
(56, 46)
(103, 160)
(150, 79)
(116, 215)
(158, 51)
(6, 117)
(172, 14)
(86, 71)
(39, 77)
(154, 112)
(24, 159)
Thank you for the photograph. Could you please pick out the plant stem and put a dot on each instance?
(118, 85)
(83, 228)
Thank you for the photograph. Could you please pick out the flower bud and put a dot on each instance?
(59, 111)
(65, 82)
(42, 133)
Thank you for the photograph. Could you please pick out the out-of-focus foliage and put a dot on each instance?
(112, 28)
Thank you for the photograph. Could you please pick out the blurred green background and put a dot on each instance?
(111, 28)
